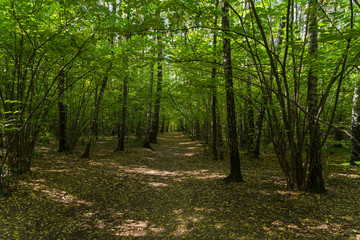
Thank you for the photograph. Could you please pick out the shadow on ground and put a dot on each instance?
(174, 191)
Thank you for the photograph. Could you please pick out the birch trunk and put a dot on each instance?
(315, 178)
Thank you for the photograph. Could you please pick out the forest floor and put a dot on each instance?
(174, 191)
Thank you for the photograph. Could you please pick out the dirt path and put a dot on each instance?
(172, 192)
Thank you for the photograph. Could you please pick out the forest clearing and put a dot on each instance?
(175, 191)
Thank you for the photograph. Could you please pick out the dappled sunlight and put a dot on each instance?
(192, 148)
(51, 170)
(157, 184)
(353, 176)
(147, 171)
(55, 194)
(292, 193)
(186, 224)
(202, 174)
(316, 225)
(174, 191)
(202, 209)
(189, 154)
(133, 228)
(93, 163)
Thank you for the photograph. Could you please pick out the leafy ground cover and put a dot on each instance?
(174, 192)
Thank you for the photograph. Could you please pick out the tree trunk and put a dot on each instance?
(162, 124)
(121, 142)
(86, 153)
(355, 128)
(261, 113)
(63, 147)
(258, 128)
(96, 126)
(235, 172)
(315, 178)
(214, 120)
(250, 119)
(214, 95)
(155, 122)
(148, 113)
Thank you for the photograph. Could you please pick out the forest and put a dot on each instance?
(209, 119)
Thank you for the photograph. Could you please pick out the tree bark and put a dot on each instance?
(355, 128)
(315, 178)
(162, 124)
(235, 172)
(148, 113)
(214, 96)
(63, 146)
(155, 122)
(250, 118)
(121, 142)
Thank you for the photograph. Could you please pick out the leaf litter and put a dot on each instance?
(173, 192)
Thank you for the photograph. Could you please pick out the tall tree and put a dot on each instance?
(315, 178)
(156, 115)
(355, 127)
(63, 145)
(122, 133)
(149, 107)
(235, 172)
(214, 93)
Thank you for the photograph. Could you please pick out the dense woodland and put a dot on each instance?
(244, 78)
(233, 74)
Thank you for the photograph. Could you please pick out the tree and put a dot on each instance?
(156, 115)
(63, 145)
(315, 179)
(121, 142)
(355, 128)
(235, 172)
(214, 93)
(149, 104)
(95, 118)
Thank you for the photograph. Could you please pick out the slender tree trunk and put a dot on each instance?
(63, 147)
(148, 113)
(258, 128)
(250, 119)
(221, 144)
(266, 93)
(242, 128)
(214, 119)
(162, 124)
(167, 126)
(315, 178)
(121, 142)
(214, 96)
(96, 126)
(355, 128)
(156, 115)
(86, 153)
(235, 172)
